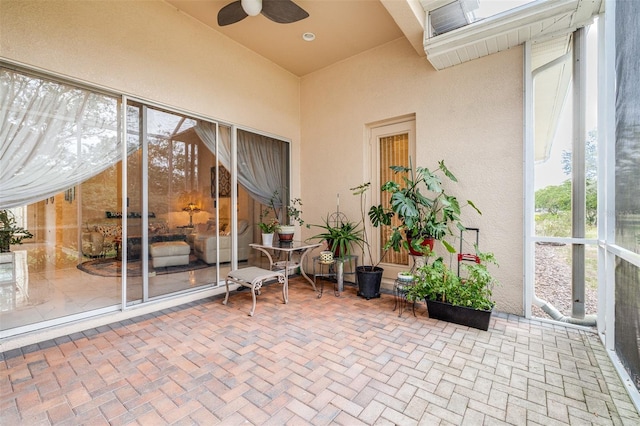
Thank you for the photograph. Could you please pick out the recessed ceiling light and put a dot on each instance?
(308, 36)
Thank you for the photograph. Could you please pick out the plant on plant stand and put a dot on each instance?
(426, 211)
(10, 233)
(466, 300)
(370, 274)
(340, 236)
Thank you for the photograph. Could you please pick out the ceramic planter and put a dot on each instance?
(326, 256)
(285, 232)
(459, 314)
(267, 239)
(427, 242)
(405, 277)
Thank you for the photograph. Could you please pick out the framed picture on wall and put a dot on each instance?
(224, 183)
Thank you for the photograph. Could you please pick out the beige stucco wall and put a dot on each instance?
(151, 50)
(470, 115)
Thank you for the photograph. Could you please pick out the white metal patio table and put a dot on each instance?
(289, 251)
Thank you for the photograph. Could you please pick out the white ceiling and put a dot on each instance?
(343, 28)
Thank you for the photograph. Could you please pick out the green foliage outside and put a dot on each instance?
(553, 209)
(553, 203)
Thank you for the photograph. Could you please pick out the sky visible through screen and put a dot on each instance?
(550, 171)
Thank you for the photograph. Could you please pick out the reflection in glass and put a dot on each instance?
(180, 204)
(63, 177)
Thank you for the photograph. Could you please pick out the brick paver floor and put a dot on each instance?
(343, 360)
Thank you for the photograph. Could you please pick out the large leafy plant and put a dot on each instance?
(424, 207)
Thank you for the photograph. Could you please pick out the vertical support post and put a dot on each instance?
(144, 123)
(578, 195)
(123, 123)
(527, 189)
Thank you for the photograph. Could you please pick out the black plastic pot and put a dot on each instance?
(459, 314)
(369, 279)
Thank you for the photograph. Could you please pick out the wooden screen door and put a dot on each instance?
(391, 145)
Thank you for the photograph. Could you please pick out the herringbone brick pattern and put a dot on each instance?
(343, 360)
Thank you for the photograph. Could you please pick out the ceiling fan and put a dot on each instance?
(280, 11)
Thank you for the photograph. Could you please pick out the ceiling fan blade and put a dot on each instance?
(231, 13)
(283, 11)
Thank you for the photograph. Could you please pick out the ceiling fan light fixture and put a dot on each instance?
(308, 36)
(279, 11)
(251, 7)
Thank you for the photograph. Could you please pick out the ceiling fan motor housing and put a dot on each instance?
(280, 11)
(251, 7)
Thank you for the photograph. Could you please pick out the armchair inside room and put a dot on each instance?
(204, 243)
(98, 240)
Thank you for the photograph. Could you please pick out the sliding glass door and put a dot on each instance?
(167, 206)
(171, 215)
(59, 174)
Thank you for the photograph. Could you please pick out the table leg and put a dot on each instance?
(302, 257)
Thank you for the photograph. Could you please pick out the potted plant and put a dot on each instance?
(269, 221)
(406, 276)
(294, 214)
(284, 226)
(10, 233)
(268, 228)
(369, 275)
(425, 209)
(340, 236)
(466, 301)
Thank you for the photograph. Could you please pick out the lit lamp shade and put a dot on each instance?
(191, 208)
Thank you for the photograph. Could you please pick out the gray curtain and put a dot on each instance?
(52, 136)
(262, 161)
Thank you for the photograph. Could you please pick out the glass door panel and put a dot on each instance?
(181, 211)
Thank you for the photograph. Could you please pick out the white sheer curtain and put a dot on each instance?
(261, 160)
(52, 136)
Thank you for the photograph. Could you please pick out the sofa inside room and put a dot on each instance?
(205, 241)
